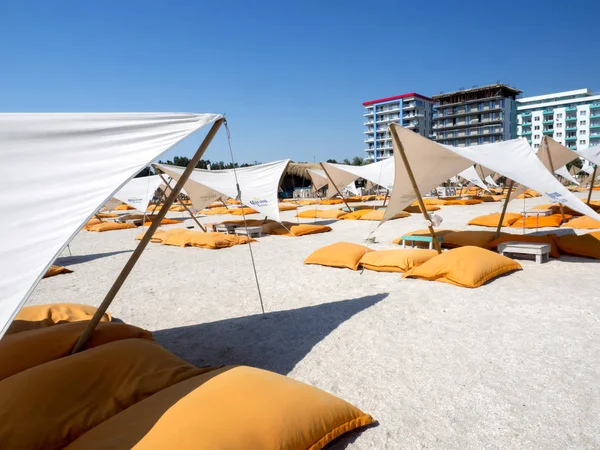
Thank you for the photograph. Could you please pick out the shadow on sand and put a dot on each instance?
(78, 259)
(276, 341)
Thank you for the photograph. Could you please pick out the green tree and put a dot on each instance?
(358, 161)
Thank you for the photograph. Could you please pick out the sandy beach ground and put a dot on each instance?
(514, 364)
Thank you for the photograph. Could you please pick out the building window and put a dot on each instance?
(536, 146)
(491, 105)
(480, 140)
(583, 112)
(537, 127)
(537, 136)
(536, 119)
(492, 139)
(559, 116)
(559, 134)
(559, 125)
(582, 132)
(502, 103)
(480, 107)
(581, 142)
(583, 122)
(467, 142)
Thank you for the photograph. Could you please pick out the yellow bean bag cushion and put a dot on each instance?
(41, 316)
(233, 201)
(161, 235)
(216, 211)
(230, 408)
(110, 226)
(466, 267)
(529, 193)
(163, 222)
(200, 239)
(417, 209)
(487, 198)
(332, 201)
(356, 215)
(587, 245)
(177, 208)
(51, 405)
(215, 205)
(107, 215)
(341, 254)
(92, 222)
(555, 220)
(395, 260)
(124, 208)
(21, 351)
(492, 220)
(354, 199)
(242, 211)
(469, 238)
(430, 202)
(286, 207)
(302, 229)
(378, 215)
(548, 239)
(463, 202)
(56, 270)
(321, 214)
(308, 201)
(551, 206)
(583, 223)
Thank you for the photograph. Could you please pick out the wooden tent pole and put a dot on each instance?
(89, 329)
(387, 193)
(510, 188)
(411, 177)
(336, 188)
(592, 185)
(562, 210)
(183, 204)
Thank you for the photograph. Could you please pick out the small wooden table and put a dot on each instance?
(538, 212)
(540, 251)
(413, 239)
(249, 231)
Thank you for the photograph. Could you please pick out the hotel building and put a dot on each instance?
(571, 118)
(413, 111)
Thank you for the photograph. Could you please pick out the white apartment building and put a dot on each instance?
(571, 118)
(413, 111)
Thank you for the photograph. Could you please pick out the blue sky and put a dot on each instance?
(291, 76)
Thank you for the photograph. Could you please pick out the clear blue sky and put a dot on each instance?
(291, 76)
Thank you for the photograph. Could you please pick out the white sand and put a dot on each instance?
(513, 364)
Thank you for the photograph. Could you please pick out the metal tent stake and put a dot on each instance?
(411, 177)
(83, 339)
(510, 188)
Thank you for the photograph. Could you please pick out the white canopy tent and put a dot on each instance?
(432, 163)
(564, 172)
(139, 191)
(68, 166)
(489, 180)
(380, 173)
(320, 180)
(258, 185)
(471, 175)
(591, 154)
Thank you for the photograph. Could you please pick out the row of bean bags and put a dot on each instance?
(177, 208)
(331, 201)
(492, 220)
(56, 270)
(181, 237)
(582, 223)
(165, 221)
(125, 391)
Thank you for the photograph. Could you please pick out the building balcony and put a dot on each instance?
(548, 122)
(526, 124)
(466, 112)
(526, 133)
(571, 129)
(368, 113)
(594, 136)
(571, 138)
(595, 105)
(571, 119)
(572, 108)
(369, 132)
(526, 114)
(595, 116)
(408, 106)
(594, 126)
(370, 140)
(548, 131)
(548, 112)
(370, 122)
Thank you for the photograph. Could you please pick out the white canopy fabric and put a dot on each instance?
(430, 163)
(472, 177)
(67, 166)
(587, 167)
(380, 173)
(591, 153)
(258, 185)
(489, 180)
(318, 177)
(351, 188)
(139, 191)
(564, 172)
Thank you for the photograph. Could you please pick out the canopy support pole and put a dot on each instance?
(224, 204)
(562, 209)
(411, 177)
(183, 204)
(592, 186)
(387, 193)
(510, 188)
(336, 188)
(89, 329)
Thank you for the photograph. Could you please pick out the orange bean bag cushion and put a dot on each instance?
(529, 193)
(321, 214)
(333, 201)
(107, 215)
(285, 207)
(548, 239)
(354, 199)
(230, 408)
(368, 198)
(124, 208)
(487, 198)
(200, 239)
(233, 201)
(177, 208)
(41, 316)
(21, 351)
(396, 260)
(583, 222)
(91, 222)
(356, 215)
(56, 270)
(555, 220)
(551, 206)
(215, 211)
(492, 220)
(161, 235)
(308, 201)
(341, 254)
(242, 211)
(462, 202)
(469, 238)
(378, 215)
(110, 226)
(417, 209)
(466, 267)
(587, 245)
(302, 229)
(51, 405)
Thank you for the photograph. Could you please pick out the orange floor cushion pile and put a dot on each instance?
(547, 239)
(56, 270)
(555, 208)
(287, 207)
(124, 390)
(354, 199)
(200, 239)
(302, 229)
(332, 201)
(492, 220)
(124, 208)
(110, 226)
(177, 208)
(160, 235)
(356, 215)
(417, 209)
(395, 260)
(233, 201)
(462, 202)
(554, 220)
(242, 211)
(307, 202)
(586, 245)
(469, 238)
(468, 267)
(217, 204)
(321, 214)
(341, 254)
(107, 215)
(215, 211)
(583, 223)
(163, 222)
(529, 193)
(377, 215)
